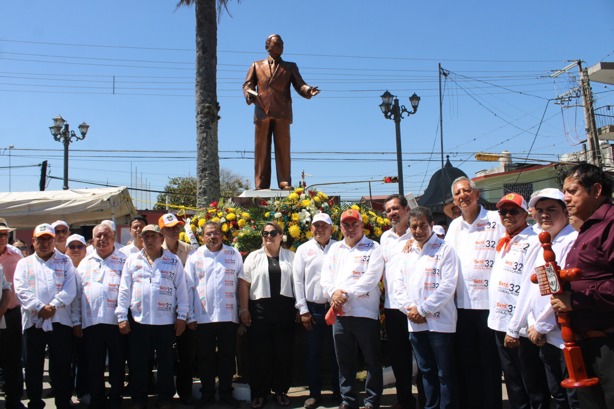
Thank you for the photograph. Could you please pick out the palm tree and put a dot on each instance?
(207, 106)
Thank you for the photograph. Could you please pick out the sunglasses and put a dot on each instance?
(272, 233)
(512, 212)
(76, 247)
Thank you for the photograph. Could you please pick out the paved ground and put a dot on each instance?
(297, 397)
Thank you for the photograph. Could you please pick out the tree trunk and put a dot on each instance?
(207, 107)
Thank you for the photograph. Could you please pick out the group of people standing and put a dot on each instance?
(463, 305)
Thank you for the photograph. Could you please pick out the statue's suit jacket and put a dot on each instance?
(274, 99)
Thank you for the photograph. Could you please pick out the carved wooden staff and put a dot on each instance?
(549, 277)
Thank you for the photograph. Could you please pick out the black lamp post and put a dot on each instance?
(391, 110)
(61, 132)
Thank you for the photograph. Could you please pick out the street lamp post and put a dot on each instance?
(392, 110)
(61, 132)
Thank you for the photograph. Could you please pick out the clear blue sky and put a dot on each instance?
(66, 58)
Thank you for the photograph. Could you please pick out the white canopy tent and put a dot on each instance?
(25, 210)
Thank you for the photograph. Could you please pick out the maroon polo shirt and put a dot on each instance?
(593, 252)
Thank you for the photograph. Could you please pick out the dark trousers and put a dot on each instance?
(435, 357)
(186, 355)
(523, 392)
(599, 360)
(556, 371)
(478, 364)
(144, 341)
(400, 350)
(99, 341)
(268, 131)
(79, 367)
(533, 374)
(10, 351)
(316, 339)
(59, 342)
(216, 348)
(350, 333)
(270, 351)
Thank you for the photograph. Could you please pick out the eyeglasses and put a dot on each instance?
(23, 248)
(512, 211)
(76, 247)
(272, 233)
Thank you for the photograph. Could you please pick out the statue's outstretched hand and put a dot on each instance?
(314, 91)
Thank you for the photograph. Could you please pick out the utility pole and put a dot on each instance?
(589, 118)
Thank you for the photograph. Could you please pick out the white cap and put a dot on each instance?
(75, 237)
(322, 217)
(109, 223)
(59, 223)
(44, 230)
(548, 193)
(439, 230)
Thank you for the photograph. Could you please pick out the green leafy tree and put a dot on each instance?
(207, 106)
(182, 190)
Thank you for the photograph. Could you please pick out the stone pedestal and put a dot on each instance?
(250, 198)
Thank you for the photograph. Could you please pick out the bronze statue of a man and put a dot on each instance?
(268, 86)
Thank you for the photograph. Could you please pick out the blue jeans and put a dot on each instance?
(436, 360)
(315, 340)
(348, 333)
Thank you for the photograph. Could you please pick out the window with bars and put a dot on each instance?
(525, 189)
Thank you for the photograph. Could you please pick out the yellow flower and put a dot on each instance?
(231, 216)
(215, 220)
(294, 231)
(220, 214)
(371, 213)
(265, 215)
(378, 232)
(355, 207)
(365, 218)
(231, 210)
(295, 217)
(367, 232)
(306, 203)
(201, 222)
(380, 221)
(298, 190)
(322, 196)
(193, 228)
(308, 235)
(211, 210)
(317, 199)
(235, 233)
(293, 196)
(241, 222)
(182, 236)
(245, 215)
(224, 227)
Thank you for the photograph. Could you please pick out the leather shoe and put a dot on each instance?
(312, 402)
(230, 401)
(204, 401)
(285, 186)
(336, 398)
